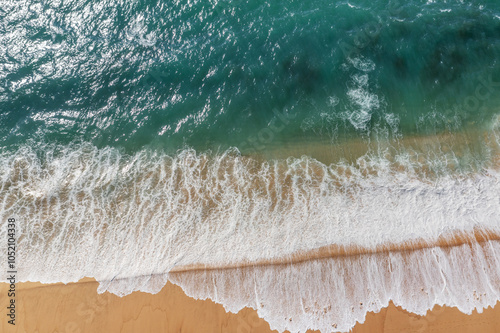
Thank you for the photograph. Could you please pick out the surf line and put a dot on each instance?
(448, 240)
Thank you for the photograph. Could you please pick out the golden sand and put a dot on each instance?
(78, 308)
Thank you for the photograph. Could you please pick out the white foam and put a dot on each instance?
(333, 294)
(129, 220)
(333, 100)
(363, 64)
(362, 101)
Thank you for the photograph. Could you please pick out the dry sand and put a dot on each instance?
(78, 308)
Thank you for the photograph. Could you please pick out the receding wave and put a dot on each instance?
(207, 221)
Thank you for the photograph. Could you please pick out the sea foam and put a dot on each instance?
(333, 294)
(134, 221)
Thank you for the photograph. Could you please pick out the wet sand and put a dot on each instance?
(446, 240)
(78, 308)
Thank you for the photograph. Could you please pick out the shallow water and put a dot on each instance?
(138, 139)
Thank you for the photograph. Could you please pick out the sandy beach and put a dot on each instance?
(245, 166)
(78, 308)
(362, 276)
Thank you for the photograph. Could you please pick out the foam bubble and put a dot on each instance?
(333, 294)
(365, 65)
(333, 100)
(363, 102)
(129, 220)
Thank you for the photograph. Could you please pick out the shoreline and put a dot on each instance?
(214, 286)
(358, 268)
(78, 308)
(452, 239)
(333, 251)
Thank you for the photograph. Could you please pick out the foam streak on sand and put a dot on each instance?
(134, 222)
(335, 293)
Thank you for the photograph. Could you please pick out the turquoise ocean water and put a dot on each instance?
(212, 75)
(141, 139)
